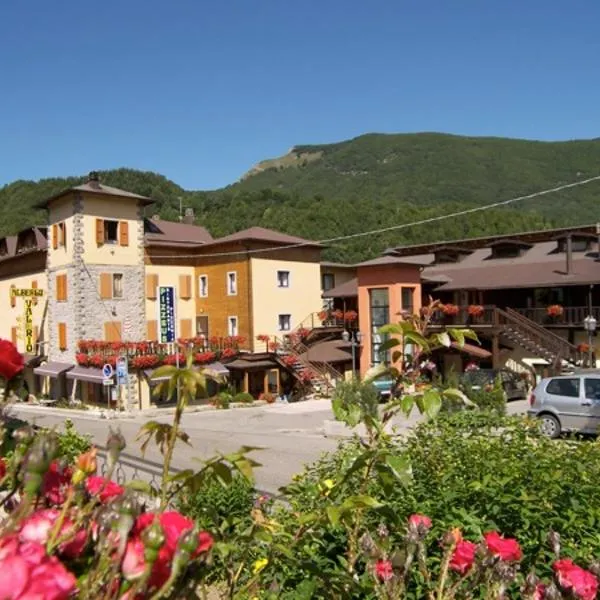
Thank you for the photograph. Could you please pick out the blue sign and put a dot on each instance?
(166, 314)
(107, 371)
(122, 371)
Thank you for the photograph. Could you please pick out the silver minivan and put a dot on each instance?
(567, 403)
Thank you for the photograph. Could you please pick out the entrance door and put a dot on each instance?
(202, 326)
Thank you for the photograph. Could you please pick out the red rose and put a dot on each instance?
(506, 549)
(575, 579)
(384, 570)
(463, 557)
(417, 521)
(105, 489)
(2, 468)
(11, 360)
(173, 525)
(539, 592)
(56, 481)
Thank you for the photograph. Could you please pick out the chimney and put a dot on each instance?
(93, 180)
(189, 216)
(569, 254)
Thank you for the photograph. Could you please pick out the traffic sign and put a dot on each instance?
(107, 371)
(107, 381)
(122, 370)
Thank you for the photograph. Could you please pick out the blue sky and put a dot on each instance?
(200, 91)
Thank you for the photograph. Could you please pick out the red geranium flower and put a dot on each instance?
(2, 468)
(575, 579)
(506, 549)
(228, 353)
(384, 570)
(11, 360)
(463, 557)
(105, 489)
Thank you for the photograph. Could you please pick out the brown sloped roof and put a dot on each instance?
(348, 289)
(261, 234)
(391, 260)
(331, 351)
(92, 187)
(170, 232)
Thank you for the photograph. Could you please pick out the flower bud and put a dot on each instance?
(554, 542)
(85, 465)
(115, 444)
(367, 545)
(153, 538)
(382, 531)
(531, 583)
(552, 593)
(39, 457)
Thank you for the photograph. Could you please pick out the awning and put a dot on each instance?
(153, 380)
(475, 351)
(52, 369)
(86, 374)
(252, 364)
(217, 368)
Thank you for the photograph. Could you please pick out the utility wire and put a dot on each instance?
(351, 236)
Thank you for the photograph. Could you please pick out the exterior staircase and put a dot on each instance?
(541, 342)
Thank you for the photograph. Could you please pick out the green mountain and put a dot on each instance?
(370, 182)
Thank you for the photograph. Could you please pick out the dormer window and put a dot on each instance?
(26, 241)
(449, 254)
(580, 242)
(508, 249)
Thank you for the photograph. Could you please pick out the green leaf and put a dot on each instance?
(361, 501)
(454, 394)
(443, 339)
(334, 514)
(406, 404)
(417, 339)
(375, 373)
(399, 467)
(392, 329)
(432, 403)
(137, 485)
(458, 336)
(389, 344)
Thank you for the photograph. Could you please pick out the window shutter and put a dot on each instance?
(112, 331)
(152, 331)
(185, 287)
(62, 234)
(55, 236)
(99, 232)
(34, 286)
(124, 233)
(13, 335)
(105, 286)
(62, 336)
(185, 328)
(151, 285)
(13, 299)
(65, 291)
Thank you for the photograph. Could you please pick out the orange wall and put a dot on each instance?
(394, 278)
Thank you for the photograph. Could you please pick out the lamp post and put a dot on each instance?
(355, 341)
(589, 324)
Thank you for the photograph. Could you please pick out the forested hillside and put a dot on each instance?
(371, 182)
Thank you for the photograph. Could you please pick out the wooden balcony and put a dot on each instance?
(572, 316)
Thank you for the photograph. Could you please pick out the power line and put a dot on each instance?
(351, 236)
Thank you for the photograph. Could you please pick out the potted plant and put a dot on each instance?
(449, 311)
(554, 311)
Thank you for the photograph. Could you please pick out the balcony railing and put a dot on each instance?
(464, 317)
(571, 316)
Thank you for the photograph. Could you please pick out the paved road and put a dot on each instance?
(290, 435)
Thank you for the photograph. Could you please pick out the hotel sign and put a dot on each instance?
(30, 295)
(166, 314)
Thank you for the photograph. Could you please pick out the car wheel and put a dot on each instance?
(550, 426)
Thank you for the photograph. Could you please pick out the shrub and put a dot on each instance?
(222, 400)
(71, 443)
(362, 398)
(243, 398)
(488, 397)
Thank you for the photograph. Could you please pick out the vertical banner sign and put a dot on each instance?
(122, 370)
(166, 314)
(29, 295)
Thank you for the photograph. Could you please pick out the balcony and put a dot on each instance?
(572, 316)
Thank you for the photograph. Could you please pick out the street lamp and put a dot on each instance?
(589, 324)
(355, 342)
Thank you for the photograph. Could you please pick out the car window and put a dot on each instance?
(592, 389)
(564, 387)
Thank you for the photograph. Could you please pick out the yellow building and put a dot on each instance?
(99, 268)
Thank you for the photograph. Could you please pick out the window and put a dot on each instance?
(408, 294)
(151, 285)
(185, 287)
(111, 286)
(564, 387)
(327, 281)
(61, 288)
(112, 331)
(379, 313)
(232, 326)
(592, 389)
(111, 232)
(283, 279)
(62, 336)
(202, 326)
(117, 285)
(285, 322)
(59, 235)
(203, 286)
(232, 283)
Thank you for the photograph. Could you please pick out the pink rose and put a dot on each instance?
(384, 570)
(506, 549)
(540, 592)
(9, 546)
(49, 580)
(15, 576)
(133, 562)
(463, 556)
(105, 488)
(419, 521)
(38, 526)
(579, 581)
